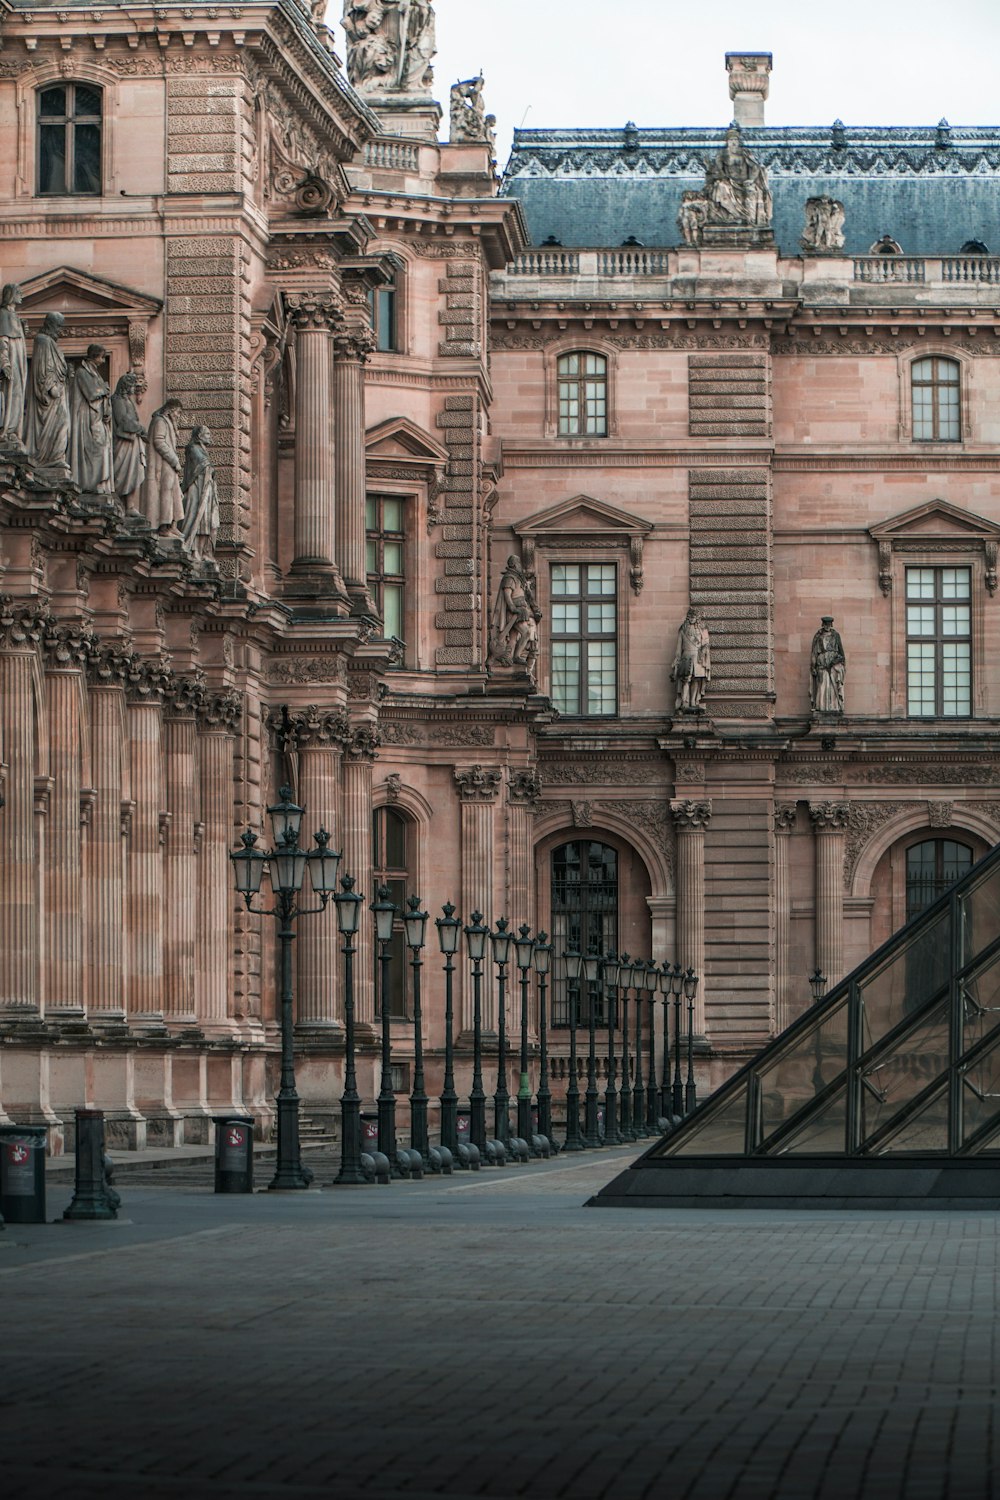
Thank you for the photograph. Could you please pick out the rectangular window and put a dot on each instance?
(69, 139)
(382, 301)
(389, 864)
(385, 546)
(939, 642)
(583, 395)
(585, 638)
(936, 412)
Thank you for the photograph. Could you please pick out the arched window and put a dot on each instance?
(69, 139)
(931, 867)
(390, 861)
(584, 916)
(935, 388)
(583, 395)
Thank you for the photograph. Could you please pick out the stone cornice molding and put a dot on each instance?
(829, 817)
(478, 783)
(690, 816)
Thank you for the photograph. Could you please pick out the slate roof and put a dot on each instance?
(930, 188)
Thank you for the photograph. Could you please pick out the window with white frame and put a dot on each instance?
(583, 395)
(385, 560)
(936, 390)
(584, 637)
(939, 642)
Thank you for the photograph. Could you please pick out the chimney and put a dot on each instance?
(748, 85)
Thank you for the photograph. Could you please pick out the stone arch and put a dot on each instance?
(966, 817)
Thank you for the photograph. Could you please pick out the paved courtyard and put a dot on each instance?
(488, 1336)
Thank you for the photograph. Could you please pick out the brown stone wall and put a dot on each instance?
(730, 395)
(730, 566)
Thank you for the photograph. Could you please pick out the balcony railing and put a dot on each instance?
(546, 263)
(966, 269)
(397, 156)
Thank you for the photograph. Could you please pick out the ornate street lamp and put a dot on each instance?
(677, 1088)
(817, 983)
(665, 990)
(573, 964)
(690, 990)
(349, 904)
(651, 985)
(415, 927)
(475, 942)
(524, 948)
(625, 976)
(541, 959)
(449, 928)
(639, 1088)
(386, 912)
(501, 940)
(592, 973)
(286, 867)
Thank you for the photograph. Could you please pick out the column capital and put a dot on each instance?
(110, 663)
(309, 727)
(221, 712)
(184, 696)
(353, 343)
(478, 783)
(147, 682)
(362, 743)
(319, 310)
(690, 816)
(23, 623)
(829, 817)
(525, 788)
(68, 644)
(784, 817)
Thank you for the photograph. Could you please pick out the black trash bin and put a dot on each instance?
(22, 1173)
(233, 1154)
(369, 1133)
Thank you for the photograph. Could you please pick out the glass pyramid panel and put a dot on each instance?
(904, 985)
(722, 1133)
(893, 1078)
(980, 915)
(981, 1091)
(803, 1069)
(926, 1130)
(823, 1134)
(980, 1003)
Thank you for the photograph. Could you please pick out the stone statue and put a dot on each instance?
(827, 667)
(736, 185)
(129, 438)
(47, 420)
(468, 111)
(692, 217)
(90, 455)
(692, 668)
(390, 44)
(416, 74)
(163, 503)
(201, 498)
(13, 369)
(514, 622)
(824, 225)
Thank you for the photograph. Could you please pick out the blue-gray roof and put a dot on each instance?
(931, 188)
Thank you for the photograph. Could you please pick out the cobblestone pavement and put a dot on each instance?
(488, 1336)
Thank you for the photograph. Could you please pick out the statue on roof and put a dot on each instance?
(736, 185)
(390, 45)
(824, 231)
(468, 111)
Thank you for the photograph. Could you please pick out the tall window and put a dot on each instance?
(382, 300)
(69, 139)
(390, 839)
(584, 917)
(935, 384)
(939, 642)
(584, 638)
(931, 867)
(385, 544)
(583, 395)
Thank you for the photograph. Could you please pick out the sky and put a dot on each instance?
(661, 62)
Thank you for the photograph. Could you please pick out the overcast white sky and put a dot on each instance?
(660, 62)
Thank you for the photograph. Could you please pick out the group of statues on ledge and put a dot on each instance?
(70, 427)
(390, 45)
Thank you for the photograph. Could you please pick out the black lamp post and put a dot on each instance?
(639, 1088)
(625, 974)
(651, 985)
(612, 1134)
(475, 941)
(817, 983)
(449, 927)
(286, 867)
(573, 963)
(690, 990)
(524, 947)
(677, 1088)
(501, 940)
(415, 928)
(386, 912)
(592, 973)
(349, 904)
(541, 959)
(665, 990)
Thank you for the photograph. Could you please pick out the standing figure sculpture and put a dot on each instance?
(390, 44)
(47, 420)
(129, 439)
(692, 669)
(163, 503)
(90, 456)
(827, 668)
(468, 111)
(824, 229)
(371, 56)
(736, 185)
(514, 622)
(201, 498)
(420, 45)
(13, 370)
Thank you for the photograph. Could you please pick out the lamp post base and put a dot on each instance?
(290, 1175)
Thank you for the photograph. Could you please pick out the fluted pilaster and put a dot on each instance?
(784, 823)
(359, 757)
(216, 901)
(315, 472)
(349, 427)
(829, 820)
(19, 907)
(523, 792)
(63, 958)
(145, 893)
(690, 821)
(104, 869)
(477, 790)
(317, 991)
(180, 860)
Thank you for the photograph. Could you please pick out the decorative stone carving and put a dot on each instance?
(478, 783)
(129, 438)
(525, 787)
(362, 743)
(692, 669)
(468, 118)
(827, 667)
(390, 45)
(300, 170)
(185, 696)
(47, 424)
(163, 503)
(864, 819)
(583, 814)
(393, 786)
(221, 710)
(824, 231)
(735, 196)
(940, 814)
(201, 498)
(690, 816)
(514, 622)
(784, 817)
(23, 625)
(602, 772)
(692, 216)
(13, 370)
(313, 309)
(309, 726)
(90, 454)
(829, 817)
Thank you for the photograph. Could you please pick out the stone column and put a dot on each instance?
(180, 859)
(106, 844)
(829, 820)
(784, 823)
(218, 719)
(477, 790)
(314, 316)
(320, 738)
(351, 350)
(359, 756)
(523, 791)
(690, 820)
(145, 899)
(64, 686)
(20, 629)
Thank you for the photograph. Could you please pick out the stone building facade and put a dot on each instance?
(471, 463)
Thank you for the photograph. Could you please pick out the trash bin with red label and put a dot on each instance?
(22, 1173)
(233, 1155)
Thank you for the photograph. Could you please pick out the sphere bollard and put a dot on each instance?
(541, 1146)
(518, 1148)
(441, 1160)
(416, 1162)
(496, 1153)
(468, 1155)
(375, 1166)
(403, 1162)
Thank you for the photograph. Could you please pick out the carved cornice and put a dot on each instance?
(690, 816)
(525, 788)
(784, 817)
(829, 817)
(478, 783)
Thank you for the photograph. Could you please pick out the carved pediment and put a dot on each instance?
(935, 526)
(585, 520)
(69, 291)
(402, 440)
